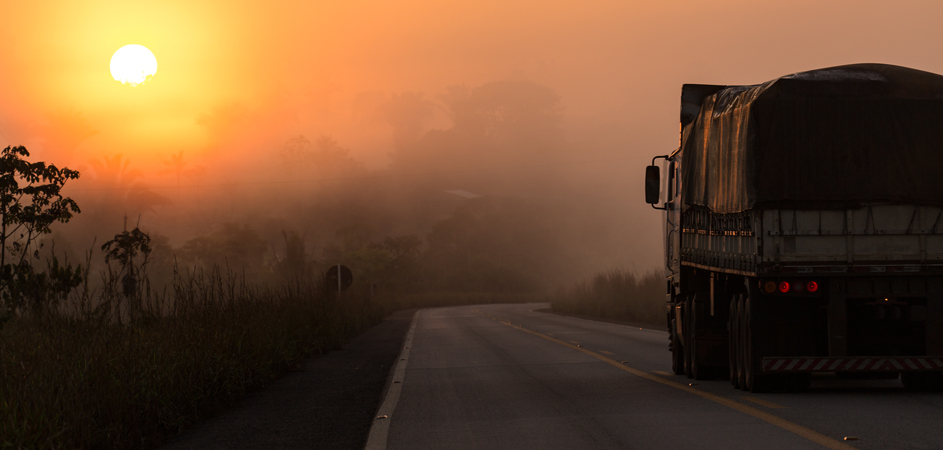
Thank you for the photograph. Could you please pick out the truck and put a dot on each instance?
(803, 229)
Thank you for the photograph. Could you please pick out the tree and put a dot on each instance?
(178, 166)
(30, 202)
(494, 244)
(124, 247)
(115, 175)
(228, 246)
(407, 113)
(324, 159)
(294, 263)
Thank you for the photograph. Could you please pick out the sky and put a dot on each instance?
(236, 76)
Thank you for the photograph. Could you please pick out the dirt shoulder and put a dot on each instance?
(328, 404)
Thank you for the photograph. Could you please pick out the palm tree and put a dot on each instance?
(178, 166)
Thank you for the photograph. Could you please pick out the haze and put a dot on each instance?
(210, 139)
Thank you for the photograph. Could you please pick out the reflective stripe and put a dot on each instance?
(850, 364)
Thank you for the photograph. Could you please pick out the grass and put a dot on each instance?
(99, 371)
(106, 374)
(617, 294)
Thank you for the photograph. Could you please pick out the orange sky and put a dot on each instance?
(296, 66)
(237, 76)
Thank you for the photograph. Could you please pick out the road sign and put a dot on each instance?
(338, 277)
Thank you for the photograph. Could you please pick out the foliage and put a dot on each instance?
(179, 167)
(294, 263)
(86, 380)
(391, 263)
(617, 294)
(30, 202)
(491, 245)
(124, 247)
(325, 158)
(407, 113)
(229, 245)
(124, 189)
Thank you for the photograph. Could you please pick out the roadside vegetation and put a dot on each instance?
(148, 303)
(617, 294)
(102, 372)
(106, 359)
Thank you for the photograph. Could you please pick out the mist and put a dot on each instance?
(487, 146)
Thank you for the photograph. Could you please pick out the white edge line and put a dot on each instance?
(380, 429)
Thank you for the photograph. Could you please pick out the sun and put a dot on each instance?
(133, 64)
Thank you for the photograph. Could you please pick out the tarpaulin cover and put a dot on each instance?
(827, 138)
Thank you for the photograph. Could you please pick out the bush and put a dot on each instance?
(617, 294)
(99, 378)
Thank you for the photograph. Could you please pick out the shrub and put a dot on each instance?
(617, 294)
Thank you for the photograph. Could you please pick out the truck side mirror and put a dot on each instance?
(652, 184)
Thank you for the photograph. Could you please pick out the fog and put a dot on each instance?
(500, 142)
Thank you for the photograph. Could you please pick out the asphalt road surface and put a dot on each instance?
(510, 377)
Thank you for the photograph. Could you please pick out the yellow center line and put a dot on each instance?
(659, 372)
(606, 353)
(760, 401)
(772, 419)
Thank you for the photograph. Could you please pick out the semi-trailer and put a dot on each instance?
(803, 222)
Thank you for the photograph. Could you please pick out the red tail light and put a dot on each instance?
(783, 287)
(812, 286)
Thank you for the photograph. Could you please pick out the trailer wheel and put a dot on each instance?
(677, 351)
(698, 371)
(753, 381)
(741, 351)
(733, 349)
(686, 332)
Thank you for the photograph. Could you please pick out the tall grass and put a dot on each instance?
(617, 294)
(103, 372)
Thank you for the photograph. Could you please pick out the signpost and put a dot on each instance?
(339, 276)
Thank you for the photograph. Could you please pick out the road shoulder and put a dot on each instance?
(328, 404)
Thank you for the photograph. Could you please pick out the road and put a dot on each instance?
(511, 377)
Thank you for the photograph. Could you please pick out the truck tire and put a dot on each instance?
(753, 380)
(741, 372)
(686, 334)
(677, 351)
(732, 348)
(698, 371)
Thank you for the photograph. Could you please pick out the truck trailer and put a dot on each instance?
(803, 223)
